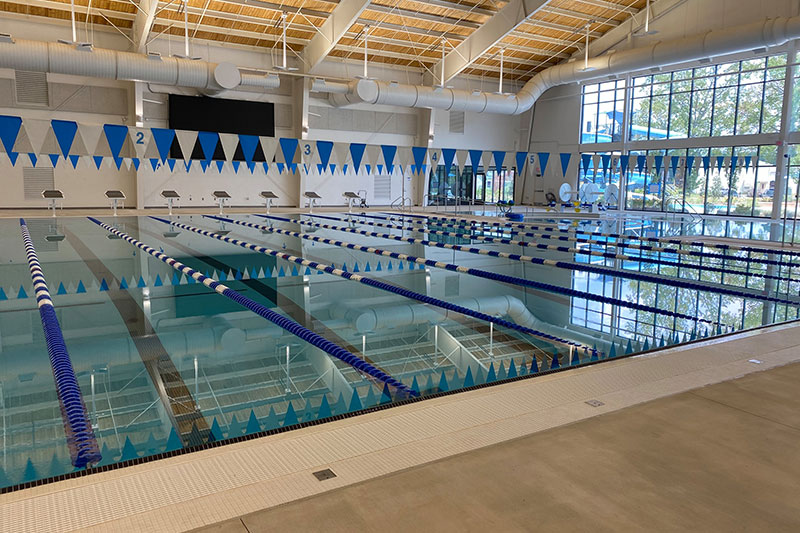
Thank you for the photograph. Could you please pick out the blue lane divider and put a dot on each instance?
(679, 242)
(608, 255)
(638, 276)
(289, 325)
(372, 282)
(644, 247)
(477, 272)
(83, 448)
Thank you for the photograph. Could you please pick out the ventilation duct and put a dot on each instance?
(61, 58)
(759, 35)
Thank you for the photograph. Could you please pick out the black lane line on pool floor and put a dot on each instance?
(171, 389)
(297, 313)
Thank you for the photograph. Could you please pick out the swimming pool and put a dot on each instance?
(201, 329)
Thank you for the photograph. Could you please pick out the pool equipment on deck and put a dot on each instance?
(170, 196)
(312, 197)
(221, 197)
(53, 196)
(268, 196)
(351, 198)
(115, 196)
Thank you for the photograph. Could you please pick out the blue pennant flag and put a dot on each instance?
(499, 157)
(720, 161)
(544, 157)
(54, 159)
(135, 161)
(658, 162)
(734, 161)
(475, 159)
(747, 160)
(706, 162)
(674, 161)
(33, 158)
(606, 158)
(163, 138)
(208, 143)
(689, 164)
(640, 162)
(565, 159)
(324, 149)
(236, 166)
(171, 164)
(623, 164)
(585, 160)
(357, 154)
(389, 153)
(154, 163)
(249, 143)
(522, 158)
(186, 164)
(448, 155)
(288, 149)
(419, 153)
(115, 135)
(220, 165)
(9, 130)
(65, 134)
(204, 165)
(98, 160)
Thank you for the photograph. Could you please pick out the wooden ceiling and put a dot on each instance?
(405, 33)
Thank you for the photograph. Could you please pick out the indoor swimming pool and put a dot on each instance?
(196, 329)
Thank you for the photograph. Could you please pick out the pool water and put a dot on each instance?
(166, 363)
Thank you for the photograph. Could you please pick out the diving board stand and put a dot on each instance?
(115, 196)
(351, 198)
(312, 197)
(53, 196)
(221, 197)
(170, 196)
(268, 196)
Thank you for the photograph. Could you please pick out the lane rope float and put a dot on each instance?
(512, 280)
(279, 320)
(607, 255)
(581, 267)
(372, 282)
(81, 441)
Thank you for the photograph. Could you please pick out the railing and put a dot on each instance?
(401, 202)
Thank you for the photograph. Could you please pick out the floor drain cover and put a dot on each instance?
(594, 403)
(322, 475)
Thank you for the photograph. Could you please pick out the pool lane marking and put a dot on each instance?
(472, 271)
(372, 282)
(287, 324)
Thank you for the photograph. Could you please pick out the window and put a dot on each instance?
(602, 112)
(482, 186)
(739, 98)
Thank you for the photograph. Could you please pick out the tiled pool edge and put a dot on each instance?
(728, 366)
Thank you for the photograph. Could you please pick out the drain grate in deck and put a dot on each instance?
(322, 475)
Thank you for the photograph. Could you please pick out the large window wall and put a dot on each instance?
(726, 119)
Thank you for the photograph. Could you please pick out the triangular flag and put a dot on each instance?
(163, 138)
(565, 158)
(65, 133)
(544, 157)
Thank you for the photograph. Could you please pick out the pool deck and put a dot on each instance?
(718, 458)
(705, 458)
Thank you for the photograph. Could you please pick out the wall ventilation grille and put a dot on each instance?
(31, 88)
(35, 180)
(383, 188)
(456, 122)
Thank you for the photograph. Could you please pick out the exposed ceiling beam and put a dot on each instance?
(609, 5)
(580, 16)
(143, 23)
(490, 33)
(332, 30)
(407, 13)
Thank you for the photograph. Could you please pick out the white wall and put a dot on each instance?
(362, 123)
